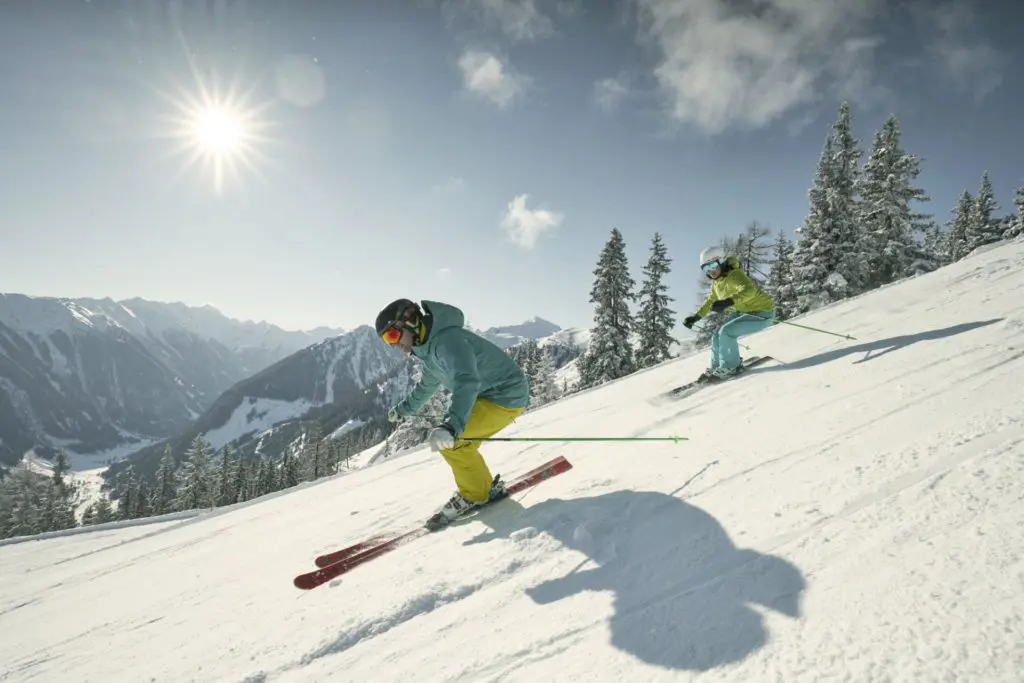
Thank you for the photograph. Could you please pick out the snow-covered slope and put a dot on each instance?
(92, 375)
(850, 513)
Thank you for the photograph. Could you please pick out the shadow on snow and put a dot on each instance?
(882, 346)
(682, 590)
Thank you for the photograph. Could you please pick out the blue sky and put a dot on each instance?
(475, 152)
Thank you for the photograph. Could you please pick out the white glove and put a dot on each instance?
(393, 415)
(441, 438)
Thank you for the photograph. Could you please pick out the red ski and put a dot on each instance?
(333, 565)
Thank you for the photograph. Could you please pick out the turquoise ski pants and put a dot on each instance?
(725, 349)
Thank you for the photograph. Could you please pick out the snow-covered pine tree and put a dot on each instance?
(196, 481)
(142, 499)
(610, 351)
(226, 492)
(104, 510)
(957, 245)
(846, 231)
(780, 280)
(266, 478)
(60, 499)
(165, 494)
(892, 230)
(655, 321)
(931, 254)
(291, 469)
(818, 254)
(21, 503)
(542, 382)
(314, 453)
(127, 485)
(983, 227)
(753, 251)
(241, 480)
(1016, 228)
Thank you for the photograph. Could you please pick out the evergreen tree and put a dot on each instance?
(60, 498)
(143, 499)
(104, 510)
(655, 321)
(291, 469)
(314, 455)
(196, 482)
(542, 382)
(816, 256)
(753, 252)
(166, 492)
(127, 484)
(892, 229)
(983, 228)
(1016, 227)
(611, 353)
(226, 491)
(933, 249)
(22, 504)
(845, 230)
(780, 281)
(240, 480)
(957, 245)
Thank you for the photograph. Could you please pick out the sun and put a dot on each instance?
(219, 131)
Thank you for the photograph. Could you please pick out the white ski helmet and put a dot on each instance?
(712, 254)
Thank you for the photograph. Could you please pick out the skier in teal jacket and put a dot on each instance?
(489, 391)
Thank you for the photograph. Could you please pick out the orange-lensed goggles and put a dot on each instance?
(391, 335)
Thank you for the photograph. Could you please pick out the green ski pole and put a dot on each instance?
(674, 439)
(804, 327)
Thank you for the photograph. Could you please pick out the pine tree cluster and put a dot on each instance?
(32, 504)
(862, 231)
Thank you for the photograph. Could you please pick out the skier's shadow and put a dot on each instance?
(682, 589)
(881, 346)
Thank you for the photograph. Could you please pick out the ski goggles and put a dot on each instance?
(710, 266)
(392, 334)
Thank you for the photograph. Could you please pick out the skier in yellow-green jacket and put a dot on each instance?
(750, 310)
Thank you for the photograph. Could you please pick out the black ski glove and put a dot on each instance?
(721, 305)
(691, 321)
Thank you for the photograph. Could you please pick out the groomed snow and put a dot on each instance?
(852, 514)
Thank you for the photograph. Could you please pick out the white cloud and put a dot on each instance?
(443, 273)
(484, 75)
(608, 92)
(972, 65)
(525, 225)
(722, 66)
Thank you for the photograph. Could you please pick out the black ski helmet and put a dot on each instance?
(395, 311)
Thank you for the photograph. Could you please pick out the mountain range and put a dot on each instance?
(110, 379)
(98, 375)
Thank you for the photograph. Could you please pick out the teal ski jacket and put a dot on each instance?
(465, 364)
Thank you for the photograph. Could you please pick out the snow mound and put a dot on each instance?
(849, 512)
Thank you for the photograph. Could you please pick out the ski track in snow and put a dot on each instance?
(852, 512)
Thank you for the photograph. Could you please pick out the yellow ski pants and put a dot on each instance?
(472, 476)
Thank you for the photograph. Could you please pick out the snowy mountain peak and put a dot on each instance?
(510, 335)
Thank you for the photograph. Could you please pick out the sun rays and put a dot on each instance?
(218, 131)
(219, 134)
